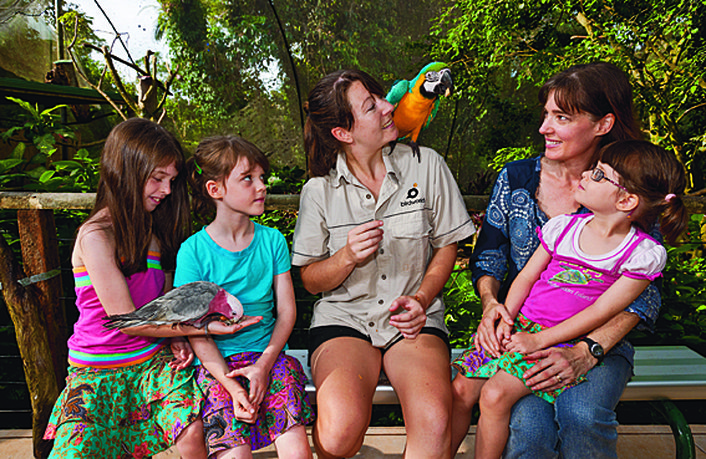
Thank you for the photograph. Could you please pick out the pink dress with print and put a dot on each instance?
(572, 281)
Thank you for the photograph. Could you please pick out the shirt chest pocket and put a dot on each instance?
(407, 238)
(413, 225)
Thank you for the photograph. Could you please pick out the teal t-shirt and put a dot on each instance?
(247, 274)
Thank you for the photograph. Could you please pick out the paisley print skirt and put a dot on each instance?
(285, 405)
(476, 364)
(129, 412)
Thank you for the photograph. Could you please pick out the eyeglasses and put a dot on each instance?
(597, 175)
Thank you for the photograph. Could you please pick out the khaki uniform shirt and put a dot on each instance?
(421, 208)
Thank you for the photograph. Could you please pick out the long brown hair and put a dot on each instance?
(657, 177)
(327, 107)
(133, 150)
(598, 89)
(214, 159)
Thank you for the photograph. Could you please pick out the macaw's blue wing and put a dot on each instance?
(398, 90)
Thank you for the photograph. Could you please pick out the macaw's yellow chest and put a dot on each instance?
(412, 114)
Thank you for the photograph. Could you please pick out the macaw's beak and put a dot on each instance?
(437, 84)
(447, 82)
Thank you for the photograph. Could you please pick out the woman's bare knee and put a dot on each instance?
(345, 372)
(330, 441)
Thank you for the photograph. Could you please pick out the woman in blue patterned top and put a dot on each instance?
(585, 107)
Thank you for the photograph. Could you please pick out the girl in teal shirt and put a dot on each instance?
(254, 392)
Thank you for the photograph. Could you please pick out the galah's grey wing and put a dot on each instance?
(186, 303)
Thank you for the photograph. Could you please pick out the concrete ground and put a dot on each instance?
(634, 442)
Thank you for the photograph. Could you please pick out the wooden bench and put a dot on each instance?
(662, 374)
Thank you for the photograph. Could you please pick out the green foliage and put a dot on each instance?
(682, 318)
(283, 220)
(502, 49)
(247, 65)
(33, 168)
(505, 155)
(286, 180)
(39, 127)
(463, 308)
(223, 51)
(283, 180)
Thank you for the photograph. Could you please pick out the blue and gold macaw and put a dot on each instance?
(417, 101)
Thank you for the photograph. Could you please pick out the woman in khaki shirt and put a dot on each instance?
(376, 236)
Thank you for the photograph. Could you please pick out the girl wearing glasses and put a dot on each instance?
(587, 268)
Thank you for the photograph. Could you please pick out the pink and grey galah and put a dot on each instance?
(195, 303)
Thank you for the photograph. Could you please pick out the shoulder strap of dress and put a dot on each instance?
(572, 222)
(637, 238)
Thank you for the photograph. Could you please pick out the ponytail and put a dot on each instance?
(674, 219)
(320, 150)
(202, 205)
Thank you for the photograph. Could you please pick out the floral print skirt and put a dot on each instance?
(129, 412)
(285, 405)
(477, 364)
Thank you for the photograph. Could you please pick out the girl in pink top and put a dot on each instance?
(587, 268)
(126, 395)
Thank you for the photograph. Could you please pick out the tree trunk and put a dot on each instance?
(23, 304)
(40, 254)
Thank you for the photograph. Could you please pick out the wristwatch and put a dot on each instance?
(595, 349)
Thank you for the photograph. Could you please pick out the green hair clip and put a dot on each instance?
(198, 168)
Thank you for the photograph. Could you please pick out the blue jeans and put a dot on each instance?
(581, 424)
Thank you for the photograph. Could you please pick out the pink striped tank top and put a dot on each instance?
(93, 345)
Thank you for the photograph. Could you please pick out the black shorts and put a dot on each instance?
(319, 335)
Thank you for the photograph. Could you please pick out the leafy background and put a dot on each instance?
(245, 66)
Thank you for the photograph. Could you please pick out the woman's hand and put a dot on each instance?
(220, 328)
(412, 318)
(558, 366)
(183, 354)
(487, 336)
(329, 273)
(259, 378)
(364, 240)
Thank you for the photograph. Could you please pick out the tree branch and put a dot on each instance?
(167, 85)
(291, 62)
(690, 109)
(115, 58)
(118, 81)
(70, 49)
(117, 34)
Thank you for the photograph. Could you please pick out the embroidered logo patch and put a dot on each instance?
(412, 197)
